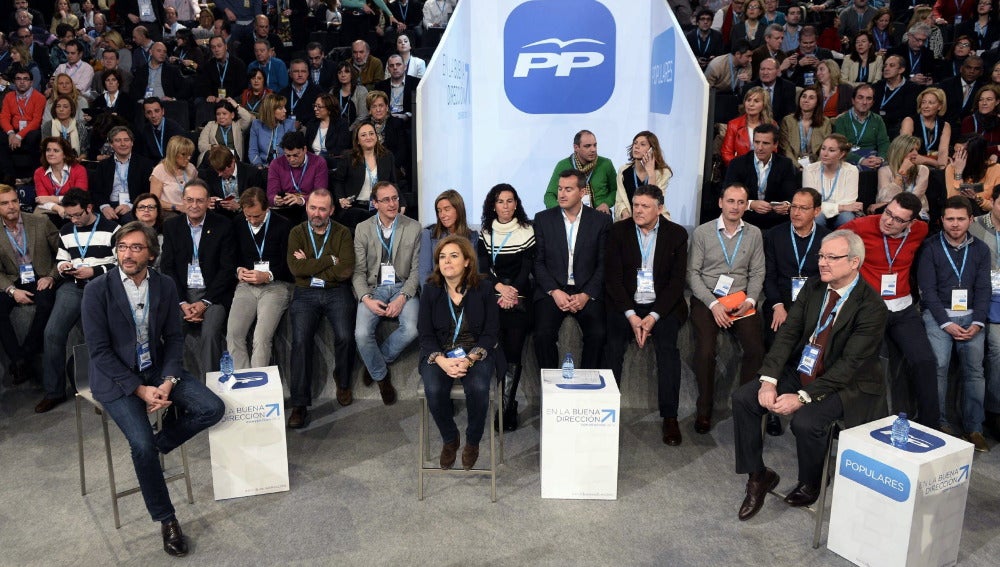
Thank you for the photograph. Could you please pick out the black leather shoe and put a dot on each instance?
(671, 431)
(366, 376)
(386, 389)
(173, 539)
(703, 424)
(345, 396)
(774, 427)
(757, 488)
(48, 404)
(297, 418)
(803, 495)
(448, 453)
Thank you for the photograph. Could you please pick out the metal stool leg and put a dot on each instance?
(111, 469)
(493, 447)
(422, 448)
(187, 474)
(79, 444)
(821, 508)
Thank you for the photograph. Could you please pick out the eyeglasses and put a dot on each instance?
(133, 247)
(963, 44)
(193, 201)
(801, 208)
(146, 207)
(830, 257)
(387, 200)
(894, 218)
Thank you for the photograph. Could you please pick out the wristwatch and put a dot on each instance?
(802, 400)
(172, 379)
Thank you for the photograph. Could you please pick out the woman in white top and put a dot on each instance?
(172, 174)
(63, 124)
(902, 172)
(836, 180)
(645, 166)
(223, 131)
(415, 66)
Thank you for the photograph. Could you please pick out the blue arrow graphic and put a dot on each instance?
(965, 473)
(608, 414)
(275, 409)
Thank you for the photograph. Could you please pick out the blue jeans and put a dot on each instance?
(437, 388)
(993, 369)
(194, 409)
(970, 353)
(65, 314)
(308, 307)
(376, 357)
(834, 223)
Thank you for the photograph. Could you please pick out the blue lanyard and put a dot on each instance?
(121, 172)
(456, 320)
(569, 233)
(496, 251)
(292, 101)
(886, 99)
(23, 251)
(881, 39)
(322, 137)
(403, 9)
(381, 238)
(892, 260)
(343, 107)
(927, 145)
(196, 259)
(804, 139)
(725, 255)
(76, 236)
(833, 188)
(372, 177)
(965, 256)
(833, 312)
(703, 50)
(913, 64)
(58, 187)
(644, 250)
(159, 139)
(312, 237)
(263, 240)
(225, 134)
(302, 176)
(795, 247)
(863, 73)
(222, 71)
(762, 182)
(864, 126)
(732, 74)
(65, 132)
(253, 107)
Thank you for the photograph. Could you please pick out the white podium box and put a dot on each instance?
(899, 506)
(579, 442)
(248, 450)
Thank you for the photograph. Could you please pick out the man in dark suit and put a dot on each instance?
(322, 71)
(169, 85)
(226, 179)
(400, 88)
(645, 267)
(156, 130)
(768, 177)
(805, 59)
(300, 94)
(959, 91)
(225, 74)
(920, 63)
(895, 97)
(569, 272)
(137, 367)
(823, 367)
(121, 178)
(770, 49)
(780, 91)
(199, 254)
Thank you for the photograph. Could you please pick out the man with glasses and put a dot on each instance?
(920, 62)
(81, 73)
(322, 72)
(891, 243)
(321, 259)
(137, 367)
(85, 252)
(823, 367)
(385, 280)
(21, 120)
(959, 91)
(35, 18)
(27, 258)
(706, 43)
(300, 94)
(199, 254)
(121, 178)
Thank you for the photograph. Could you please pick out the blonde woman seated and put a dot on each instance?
(63, 84)
(803, 132)
(932, 131)
(902, 172)
(645, 166)
(64, 124)
(739, 130)
(172, 174)
(836, 180)
(836, 95)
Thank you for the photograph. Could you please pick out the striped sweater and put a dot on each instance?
(100, 254)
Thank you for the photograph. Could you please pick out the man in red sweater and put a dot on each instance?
(891, 242)
(21, 120)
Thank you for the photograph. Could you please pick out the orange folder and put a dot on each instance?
(733, 301)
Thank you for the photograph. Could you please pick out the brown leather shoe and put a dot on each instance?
(757, 488)
(803, 495)
(978, 442)
(470, 454)
(703, 424)
(671, 431)
(448, 453)
(173, 539)
(48, 404)
(385, 388)
(345, 396)
(297, 418)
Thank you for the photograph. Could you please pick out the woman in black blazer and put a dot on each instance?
(458, 326)
(329, 135)
(113, 100)
(357, 172)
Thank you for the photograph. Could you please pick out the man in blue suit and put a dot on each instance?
(136, 355)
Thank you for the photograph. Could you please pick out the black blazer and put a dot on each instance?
(338, 137)
(414, 13)
(953, 93)
(782, 182)
(174, 84)
(851, 364)
(110, 331)
(146, 140)
(126, 7)
(928, 65)
(246, 176)
(102, 180)
(481, 318)
(348, 178)
(216, 255)
(552, 252)
(409, 91)
(124, 106)
(327, 76)
(623, 258)
(902, 104)
(784, 97)
(210, 77)
(303, 112)
(713, 48)
(275, 246)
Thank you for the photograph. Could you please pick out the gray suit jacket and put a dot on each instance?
(43, 243)
(368, 252)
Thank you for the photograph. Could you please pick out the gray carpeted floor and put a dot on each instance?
(353, 501)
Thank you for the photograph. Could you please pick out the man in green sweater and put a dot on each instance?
(600, 172)
(864, 130)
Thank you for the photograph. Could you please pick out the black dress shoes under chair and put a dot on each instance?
(805, 494)
(758, 486)
(671, 431)
(173, 539)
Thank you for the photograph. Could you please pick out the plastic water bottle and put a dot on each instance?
(226, 367)
(900, 431)
(568, 367)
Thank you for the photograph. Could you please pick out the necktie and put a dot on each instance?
(821, 339)
(965, 93)
(770, 95)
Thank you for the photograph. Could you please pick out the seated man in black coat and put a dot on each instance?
(227, 179)
(120, 178)
(156, 130)
(770, 179)
(400, 88)
(159, 78)
(781, 91)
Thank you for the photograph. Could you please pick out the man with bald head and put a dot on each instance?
(369, 68)
(781, 91)
(159, 78)
(400, 88)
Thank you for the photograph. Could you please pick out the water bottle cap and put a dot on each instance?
(902, 415)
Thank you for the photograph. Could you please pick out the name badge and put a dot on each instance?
(457, 352)
(995, 281)
(644, 281)
(146, 10)
(196, 280)
(292, 118)
(855, 148)
(881, 113)
(888, 288)
(124, 199)
(246, 3)
(958, 19)
(387, 275)
(222, 93)
(27, 273)
(142, 354)
(959, 300)
(316, 282)
(79, 263)
(808, 78)
(21, 125)
(807, 364)
(797, 284)
(149, 92)
(723, 286)
(804, 161)
(262, 266)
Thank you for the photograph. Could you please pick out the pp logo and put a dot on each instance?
(249, 380)
(918, 441)
(559, 56)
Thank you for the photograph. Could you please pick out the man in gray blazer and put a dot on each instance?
(386, 248)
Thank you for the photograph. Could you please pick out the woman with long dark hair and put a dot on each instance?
(971, 173)
(803, 131)
(862, 64)
(350, 94)
(645, 166)
(449, 208)
(506, 251)
(984, 120)
(358, 171)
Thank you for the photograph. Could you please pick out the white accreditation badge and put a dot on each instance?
(316, 282)
(807, 364)
(196, 280)
(888, 288)
(262, 266)
(797, 284)
(959, 300)
(143, 356)
(644, 281)
(723, 286)
(27, 272)
(457, 352)
(995, 281)
(387, 274)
